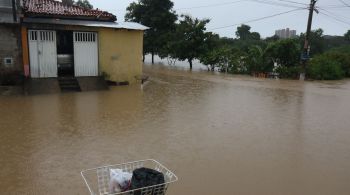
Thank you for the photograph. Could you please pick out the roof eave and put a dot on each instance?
(56, 16)
(87, 23)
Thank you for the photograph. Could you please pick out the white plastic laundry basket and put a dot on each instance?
(97, 179)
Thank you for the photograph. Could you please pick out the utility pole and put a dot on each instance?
(306, 50)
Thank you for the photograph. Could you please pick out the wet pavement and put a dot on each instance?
(219, 134)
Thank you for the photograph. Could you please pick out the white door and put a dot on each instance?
(43, 53)
(85, 54)
(33, 53)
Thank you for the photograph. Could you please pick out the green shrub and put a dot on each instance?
(342, 58)
(288, 72)
(324, 68)
(342, 49)
(342, 55)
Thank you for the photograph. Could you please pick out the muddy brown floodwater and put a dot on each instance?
(219, 134)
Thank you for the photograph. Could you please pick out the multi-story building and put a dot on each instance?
(285, 33)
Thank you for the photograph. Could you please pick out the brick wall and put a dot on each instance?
(10, 47)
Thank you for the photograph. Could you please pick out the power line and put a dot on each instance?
(335, 18)
(343, 2)
(293, 2)
(334, 7)
(258, 19)
(269, 2)
(275, 3)
(335, 15)
(211, 5)
(234, 2)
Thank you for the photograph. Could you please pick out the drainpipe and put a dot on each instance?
(14, 10)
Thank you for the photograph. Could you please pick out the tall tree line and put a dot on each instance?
(186, 38)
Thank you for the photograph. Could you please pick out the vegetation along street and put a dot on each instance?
(183, 37)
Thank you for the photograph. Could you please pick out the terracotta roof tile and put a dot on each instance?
(52, 8)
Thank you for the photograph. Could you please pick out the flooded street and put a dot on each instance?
(219, 134)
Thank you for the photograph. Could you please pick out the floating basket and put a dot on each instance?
(97, 179)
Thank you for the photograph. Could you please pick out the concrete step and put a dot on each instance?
(69, 84)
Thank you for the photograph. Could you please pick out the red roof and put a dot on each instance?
(52, 8)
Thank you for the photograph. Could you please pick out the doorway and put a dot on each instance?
(85, 54)
(65, 54)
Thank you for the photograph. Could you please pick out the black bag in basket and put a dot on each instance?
(144, 177)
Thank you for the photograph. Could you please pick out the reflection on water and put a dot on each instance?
(220, 134)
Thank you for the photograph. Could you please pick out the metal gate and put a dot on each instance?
(43, 53)
(85, 54)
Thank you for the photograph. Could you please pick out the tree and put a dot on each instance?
(254, 60)
(244, 45)
(255, 36)
(317, 43)
(347, 36)
(84, 3)
(331, 42)
(159, 16)
(209, 57)
(190, 39)
(227, 41)
(225, 58)
(272, 38)
(322, 67)
(68, 2)
(284, 52)
(237, 61)
(342, 57)
(243, 33)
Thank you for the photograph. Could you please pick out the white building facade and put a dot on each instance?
(286, 33)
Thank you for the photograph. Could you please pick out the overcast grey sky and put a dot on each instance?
(229, 13)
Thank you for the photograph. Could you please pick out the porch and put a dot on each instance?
(36, 86)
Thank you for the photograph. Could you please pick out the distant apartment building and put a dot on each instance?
(286, 33)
